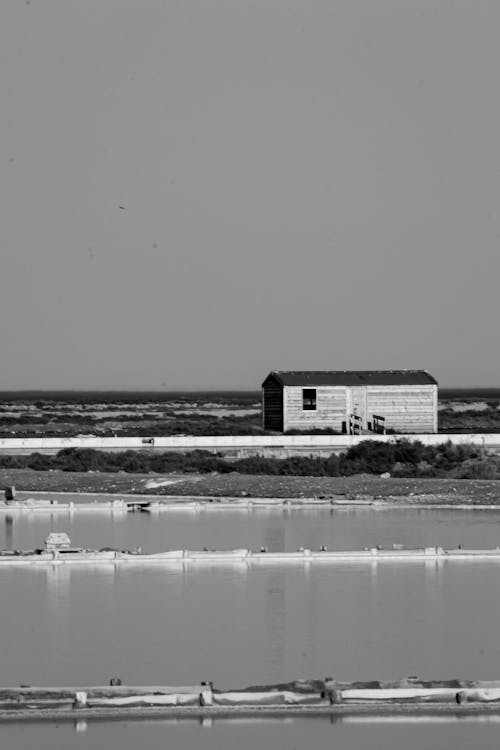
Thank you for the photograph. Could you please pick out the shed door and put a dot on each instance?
(358, 403)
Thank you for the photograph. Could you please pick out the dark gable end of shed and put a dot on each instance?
(272, 404)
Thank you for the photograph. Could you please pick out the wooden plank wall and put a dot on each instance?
(330, 408)
(272, 406)
(406, 408)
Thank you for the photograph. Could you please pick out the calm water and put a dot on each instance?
(235, 626)
(275, 528)
(297, 734)
(238, 626)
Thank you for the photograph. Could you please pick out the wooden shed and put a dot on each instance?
(353, 401)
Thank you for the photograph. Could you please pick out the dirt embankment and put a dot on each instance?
(412, 491)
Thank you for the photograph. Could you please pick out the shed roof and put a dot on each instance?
(351, 377)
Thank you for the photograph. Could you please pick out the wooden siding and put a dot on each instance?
(405, 408)
(356, 403)
(272, 405)
(330, 408)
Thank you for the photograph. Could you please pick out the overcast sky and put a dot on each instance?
(196, 192)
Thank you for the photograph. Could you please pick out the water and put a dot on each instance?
(245, 734)
(238, 626)
(277, 528)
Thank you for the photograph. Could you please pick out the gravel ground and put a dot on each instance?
(363, 485)
(416, 491)
(69, 481)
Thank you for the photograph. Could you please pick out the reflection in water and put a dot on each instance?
(275, 537)
(275, 602)
(118, 515)
(9, 532)
(58, 587)
(255, 720)
(192, 570)
(278, 733)
(58, 580)
(422, 719)
(433, 570)
(209, 722)
(242, 625)
(311, 611)
(275, 621)
(278, 529)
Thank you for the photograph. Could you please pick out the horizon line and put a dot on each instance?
(193, 390)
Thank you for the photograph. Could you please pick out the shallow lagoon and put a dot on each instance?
(236, 626)
(276, 528)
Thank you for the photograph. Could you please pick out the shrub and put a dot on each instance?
(483, 468)
(401, 458)
(369, 456)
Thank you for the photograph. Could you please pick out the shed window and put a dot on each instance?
(309, 399)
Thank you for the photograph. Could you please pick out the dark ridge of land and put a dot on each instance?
(101, 396)
(131, 396)
(468, 394)
(413, 491)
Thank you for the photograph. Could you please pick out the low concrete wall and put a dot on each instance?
(237, 444)
(253, 443)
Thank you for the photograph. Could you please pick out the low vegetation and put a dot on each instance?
(399, 459)
(469, 410)
(72, 414)
(471, 419)
(133, 414)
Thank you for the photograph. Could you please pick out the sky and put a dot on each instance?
(195, 193)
